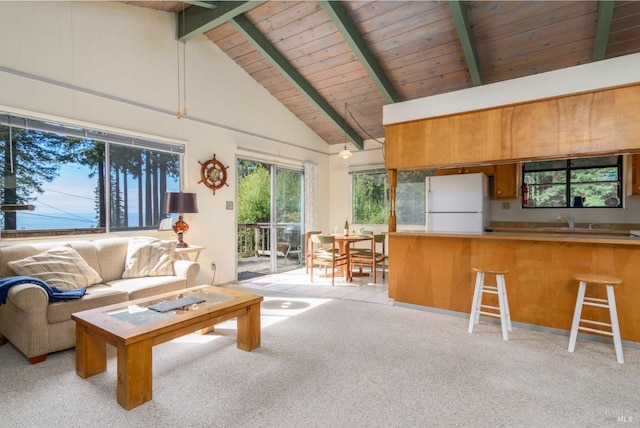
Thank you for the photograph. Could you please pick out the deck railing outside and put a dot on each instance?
(254, 239)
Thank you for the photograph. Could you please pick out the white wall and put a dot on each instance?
(340, 184)
(114, 66)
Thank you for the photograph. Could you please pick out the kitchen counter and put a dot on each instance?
(435, 270)
(616, 239)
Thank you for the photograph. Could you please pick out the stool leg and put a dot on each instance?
(576, 316)
(503, 303)
(477, 300)
(615, 326)
(504, 308)
(506, 302)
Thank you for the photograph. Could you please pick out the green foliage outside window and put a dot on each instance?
(588, 182)
(254, 192)
(370, 202)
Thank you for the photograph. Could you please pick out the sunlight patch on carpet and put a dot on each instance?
(276, 309)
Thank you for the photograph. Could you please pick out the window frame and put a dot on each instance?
(568, 168)
(110, 140)
(400, 182)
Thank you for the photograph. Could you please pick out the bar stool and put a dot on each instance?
(609, 302)
(502, 310)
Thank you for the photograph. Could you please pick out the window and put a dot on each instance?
(370, 201)
(370, 197)
(82, 179)
(577, 183)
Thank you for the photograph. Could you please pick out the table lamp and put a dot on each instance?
(179, 202)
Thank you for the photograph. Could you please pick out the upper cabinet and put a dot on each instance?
(633, 184)
(506, 181)
(487, 169)
(602, 121)
(506, 177)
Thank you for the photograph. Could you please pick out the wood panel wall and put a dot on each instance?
(435, 271)
(593, 123)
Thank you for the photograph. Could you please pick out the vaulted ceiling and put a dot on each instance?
(316, 57)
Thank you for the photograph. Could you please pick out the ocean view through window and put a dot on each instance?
(109, 182)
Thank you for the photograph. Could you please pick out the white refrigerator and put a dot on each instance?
(458, 203)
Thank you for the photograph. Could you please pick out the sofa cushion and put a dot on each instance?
(137, 288)
(97, 296)
(149, 257)
(61, 267)
(112, 253)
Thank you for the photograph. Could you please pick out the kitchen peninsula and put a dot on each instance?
(434, 270)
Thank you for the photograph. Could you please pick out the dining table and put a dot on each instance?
(344, 244)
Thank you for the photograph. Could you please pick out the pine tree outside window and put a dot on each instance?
(82, 179)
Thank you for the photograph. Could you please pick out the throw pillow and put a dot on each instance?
(149, 257)
(61, 267)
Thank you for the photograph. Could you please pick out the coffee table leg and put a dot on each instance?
(249, 328)
(91, 352)
(135, 384)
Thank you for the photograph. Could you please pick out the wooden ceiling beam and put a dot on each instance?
(194, 21)
(352, 36)
(260, 42)
(603, 27)
(459, 13)
(205, 4)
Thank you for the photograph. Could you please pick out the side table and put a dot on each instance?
(183, 253)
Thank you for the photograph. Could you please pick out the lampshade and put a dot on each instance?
(345, 153)
(180, 202)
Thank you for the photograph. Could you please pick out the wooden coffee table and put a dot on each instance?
(132, 328)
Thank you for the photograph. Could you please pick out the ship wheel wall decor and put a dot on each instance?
(213, 174)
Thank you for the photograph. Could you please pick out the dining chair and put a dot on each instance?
(325, 253)
(308, 247)
(371, 257)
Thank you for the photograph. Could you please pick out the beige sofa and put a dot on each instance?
(36, 327)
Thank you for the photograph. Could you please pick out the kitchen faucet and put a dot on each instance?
(570, 220)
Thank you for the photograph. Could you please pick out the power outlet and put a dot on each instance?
(213, 266)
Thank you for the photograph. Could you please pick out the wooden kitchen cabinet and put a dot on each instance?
(575, 125)
(487, 169)
(633, 187)
(506, 180)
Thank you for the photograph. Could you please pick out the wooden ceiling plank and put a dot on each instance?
(363, 11)
(194, 21)
(352, 36)
(439, 32)
(533, 21)
(603, 28)
(580, 27)
(243, 25)
(272, 20)
(466, 40)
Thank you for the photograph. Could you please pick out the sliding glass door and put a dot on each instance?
(270, 219)
(287, 217)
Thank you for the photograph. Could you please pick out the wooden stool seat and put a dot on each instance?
(493, 271)
(478, 308)
(610, 329)
(597, 279)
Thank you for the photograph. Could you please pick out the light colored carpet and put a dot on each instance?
(340, 363)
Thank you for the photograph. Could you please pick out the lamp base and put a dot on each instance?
(181, 243)
(180, 228)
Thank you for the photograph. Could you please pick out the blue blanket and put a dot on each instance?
(55, 294)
